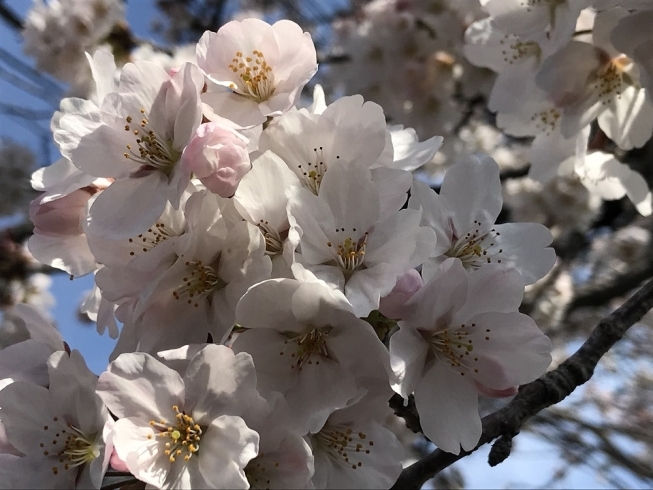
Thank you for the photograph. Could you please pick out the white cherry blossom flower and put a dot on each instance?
(308, 345)
(201, 279)
(464, 223)
(258, 69)
(145, 126)
(349, 130)
(462, 329)
(596, 81)
(62, 431)
(346, 242)
(183, 432)
(354, 450)
(538, 20)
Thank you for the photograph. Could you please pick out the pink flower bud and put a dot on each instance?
(61, 216)
(218, 157)
(393, 304)
(117, 463)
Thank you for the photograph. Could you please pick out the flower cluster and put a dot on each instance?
(562, 65)
(274, 282)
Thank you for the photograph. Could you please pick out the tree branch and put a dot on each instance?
(551, 388)
(10, 17)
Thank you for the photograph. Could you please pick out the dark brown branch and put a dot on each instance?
(551, 388)
(10, 17)
(599, 295)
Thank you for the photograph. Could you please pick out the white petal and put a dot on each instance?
(484, 203)
(137, 385)
(448, 409)
(226, 448)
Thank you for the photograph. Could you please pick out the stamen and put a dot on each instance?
(154, 152)
(184, 437)
(254, 76)
(200, 281)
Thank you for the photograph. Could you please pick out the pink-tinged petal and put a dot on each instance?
(563, 75)
(137, 385)
(219, 382)
(352, 116)
(483, 205)
(491, 288)
(128, 206)
(289, 465)
(444, 294)
(227, 446)
(116, 463)
(448, 407)
(514, 351)
(265, 345)
(491, 393)
(393, 304)
(408, 351)
(142, 451)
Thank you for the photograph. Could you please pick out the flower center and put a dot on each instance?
(350, 252)
(69, 445)
(154, 152)
(255, 76)
(258, 471)
(273, 240)
(343, 444)
(314, 171)
(515, 50)
(611, 79)
(454, 346)
(184, 436)
(475, 248)
(547, 121)
(151, 238)
(303, 348)
(201, 281)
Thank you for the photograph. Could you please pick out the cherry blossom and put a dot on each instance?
(63, 434)
(183, 432)
(462, 329)
(465, 225)
(258, 70)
